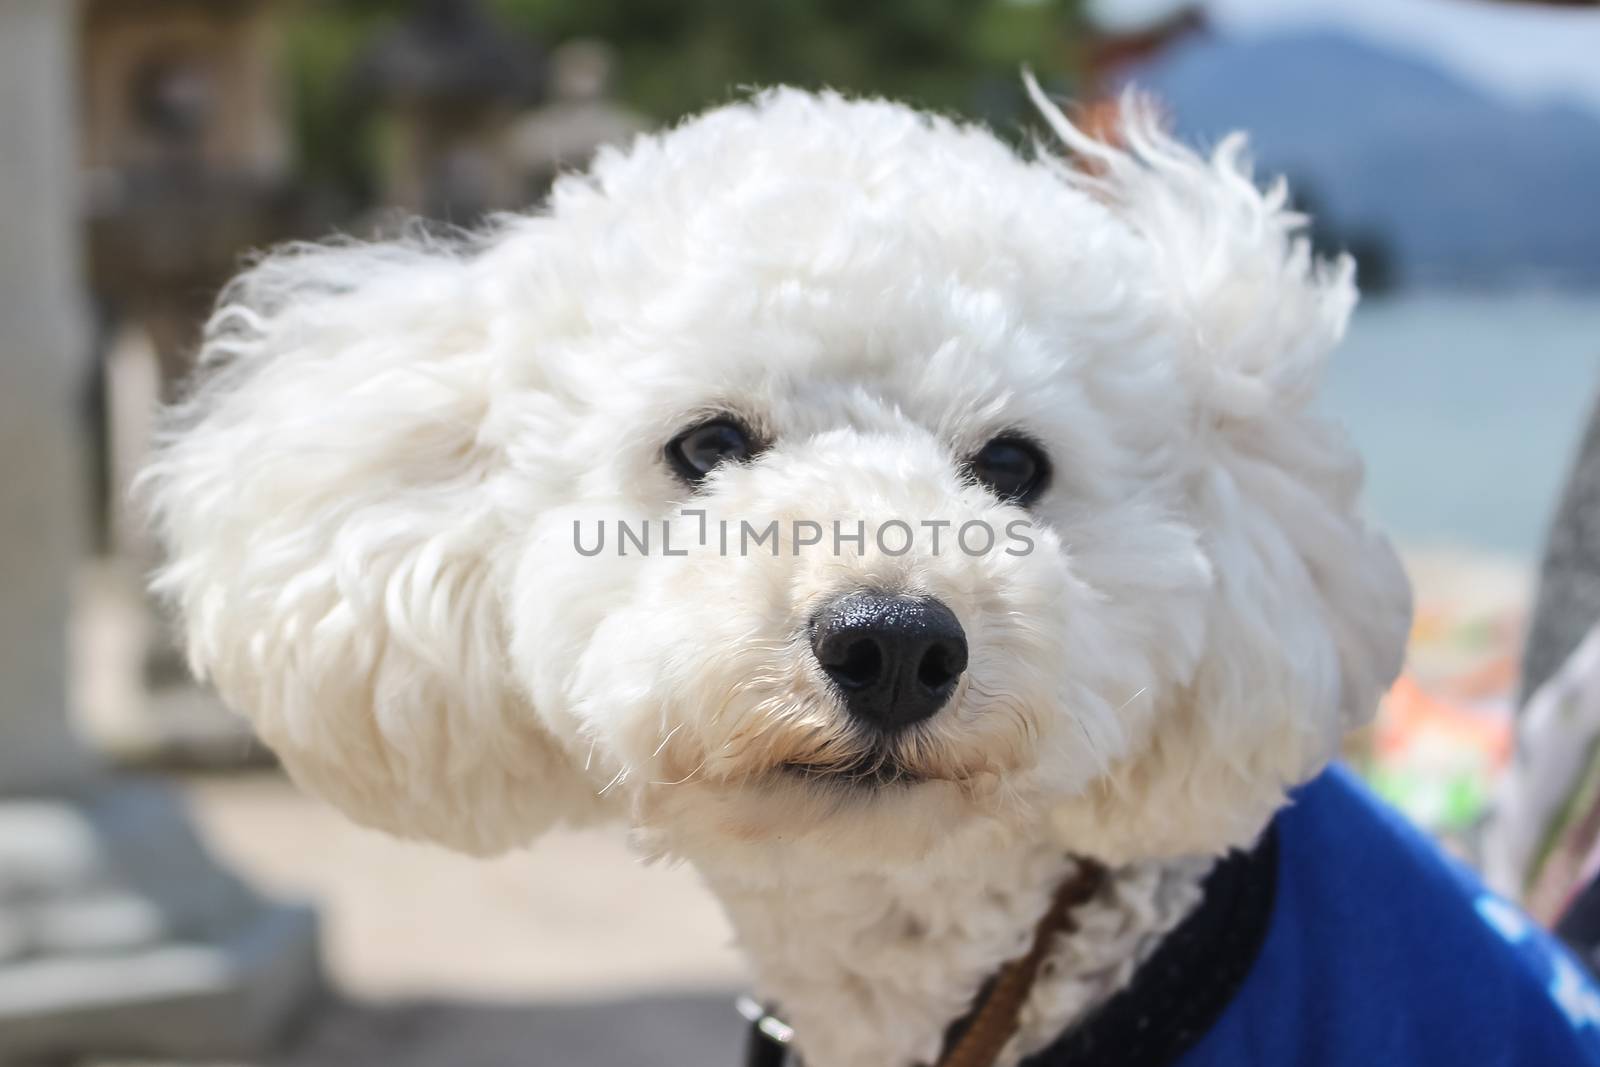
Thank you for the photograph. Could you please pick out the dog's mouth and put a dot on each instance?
(870, 772)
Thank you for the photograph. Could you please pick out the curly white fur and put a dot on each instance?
(369, 502)
(870, 967)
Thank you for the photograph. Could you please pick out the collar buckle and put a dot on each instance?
(770, 1037)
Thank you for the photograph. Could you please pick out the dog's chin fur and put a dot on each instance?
(368, 503)
(870, 959)
(847, 825)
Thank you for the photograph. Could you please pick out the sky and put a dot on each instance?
(1524, 53)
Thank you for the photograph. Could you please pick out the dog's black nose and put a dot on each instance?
(895, 659)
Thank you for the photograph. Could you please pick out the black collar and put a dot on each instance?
(1174, 997)
(1187, 983)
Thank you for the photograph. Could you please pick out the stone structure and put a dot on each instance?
(580, 119)
(118, 935)
(187, 157)
(187, 165)
(447, 83)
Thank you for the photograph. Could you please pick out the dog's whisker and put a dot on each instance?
(688, 776)
(664, 740)
(607, 788)
(1142, 691)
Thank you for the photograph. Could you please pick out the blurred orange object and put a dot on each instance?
(1413, 718)
(1491, 680)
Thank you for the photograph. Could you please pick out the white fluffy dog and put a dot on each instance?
(381, 505)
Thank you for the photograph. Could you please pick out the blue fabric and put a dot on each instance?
(1383, 953)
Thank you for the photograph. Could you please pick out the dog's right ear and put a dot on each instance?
(326, 498)
(1310, 607)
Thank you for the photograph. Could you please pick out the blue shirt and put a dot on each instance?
(1382, 952)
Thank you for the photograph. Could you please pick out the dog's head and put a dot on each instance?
(820, 472)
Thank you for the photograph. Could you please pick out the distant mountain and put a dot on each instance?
(1458, 188)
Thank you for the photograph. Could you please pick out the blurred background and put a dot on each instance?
(166, 896)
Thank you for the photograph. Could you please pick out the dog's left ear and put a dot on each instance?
(1309, 614)
(333, 502)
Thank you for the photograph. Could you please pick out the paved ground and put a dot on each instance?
(575, 917)
(570, 955)
(663, 1031)
(637, 1032)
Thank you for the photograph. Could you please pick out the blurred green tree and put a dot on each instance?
(321, 42)
(678, 56)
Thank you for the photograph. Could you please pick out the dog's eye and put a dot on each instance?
(699, 450)
(1013, 468)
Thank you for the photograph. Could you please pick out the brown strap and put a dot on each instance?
(994, 1021)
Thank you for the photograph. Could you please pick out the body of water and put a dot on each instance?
(1468, 409)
